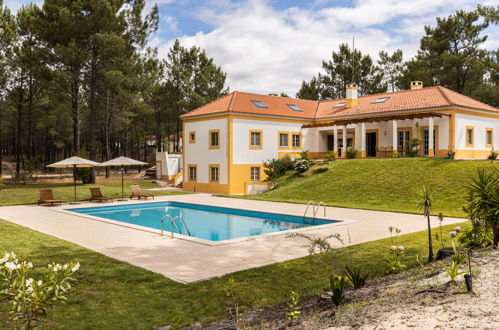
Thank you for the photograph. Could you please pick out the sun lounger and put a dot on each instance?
(47, 197)
(137, 193)
(96, 195)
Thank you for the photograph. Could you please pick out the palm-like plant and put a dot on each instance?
(483, 203)
(426, 202)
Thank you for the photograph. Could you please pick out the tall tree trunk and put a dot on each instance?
(107, 133)
(30, 121)
(93, 110)
(18, 135)
(75, 110)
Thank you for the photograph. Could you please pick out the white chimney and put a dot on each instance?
(352, 95)
(416, 85)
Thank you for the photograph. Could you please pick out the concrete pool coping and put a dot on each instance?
(187, 261)
(68, 210)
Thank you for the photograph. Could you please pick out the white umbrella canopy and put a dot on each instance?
(123, 161)
(74, 162)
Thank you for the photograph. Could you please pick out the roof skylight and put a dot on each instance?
(259, 104)
(294, 107)
(381, 100)
(340, 105)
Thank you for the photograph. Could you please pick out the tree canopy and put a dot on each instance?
(79, 77)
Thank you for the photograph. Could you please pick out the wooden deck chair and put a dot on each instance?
(47, 197)
(96, 195)
(137, 193)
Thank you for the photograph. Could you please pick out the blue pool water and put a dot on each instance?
(207, 222)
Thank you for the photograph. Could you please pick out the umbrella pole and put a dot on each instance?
(74, 179)
(122, 182)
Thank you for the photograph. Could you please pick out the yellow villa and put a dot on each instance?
(227, 140)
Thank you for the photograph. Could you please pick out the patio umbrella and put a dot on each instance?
(74, 162)
(122, 162)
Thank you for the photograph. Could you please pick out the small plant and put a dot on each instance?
(453, 269)
(320, 170)
(28, 297)
(294, 310)
(233, 303)
(319, 246)
(301, 165)
(440, 237)
(451, 154)
(337, 288)
(304, 155)
(426, 201)
(393, 261)
(330, 155)
(414, 144)
(356, 276)
(492, 155)
(351, 153)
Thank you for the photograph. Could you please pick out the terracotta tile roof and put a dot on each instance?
(239, 102)
(425, 98)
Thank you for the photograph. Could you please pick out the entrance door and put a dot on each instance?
(330, 142)
(371, 144)
(403, 141)
(426, 141)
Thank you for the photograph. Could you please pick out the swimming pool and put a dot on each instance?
(210, 223)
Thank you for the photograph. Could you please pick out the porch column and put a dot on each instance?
(335, 139)
(363, 140)
(394, 138)
(344, 150)
(431, 152)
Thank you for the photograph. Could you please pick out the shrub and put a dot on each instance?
(301, 165)
(451, 154)
(330, 155)
(351, 153)
(320, 170)
(483, 202)
(30, 298)
(337, 288)
(275, 168)
(356, 276)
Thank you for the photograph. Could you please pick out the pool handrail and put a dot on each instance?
(173, 222)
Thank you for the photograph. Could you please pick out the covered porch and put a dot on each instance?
(381, 136)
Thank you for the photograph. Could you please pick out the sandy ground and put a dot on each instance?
(393, 302)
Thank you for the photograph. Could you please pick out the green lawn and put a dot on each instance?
(381, 184)
(27, 194)
(111, 294)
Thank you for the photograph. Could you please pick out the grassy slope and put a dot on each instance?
(26, 194)
(111, 294)
(382, 184)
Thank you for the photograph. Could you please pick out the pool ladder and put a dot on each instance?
(315, 208)
(174, 222)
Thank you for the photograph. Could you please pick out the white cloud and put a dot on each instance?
(269, 51)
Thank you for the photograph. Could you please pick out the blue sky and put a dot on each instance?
(270, 46)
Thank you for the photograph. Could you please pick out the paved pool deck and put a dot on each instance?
(189, 261)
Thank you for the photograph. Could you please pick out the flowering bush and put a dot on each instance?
(301, 165)
(31, 297)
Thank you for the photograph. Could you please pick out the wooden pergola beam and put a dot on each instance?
(342, 122)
